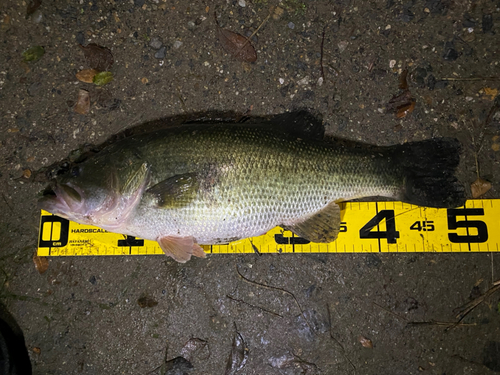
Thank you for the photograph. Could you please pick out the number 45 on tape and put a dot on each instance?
(366, 227)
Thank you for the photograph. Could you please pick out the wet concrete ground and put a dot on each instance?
(82, 315)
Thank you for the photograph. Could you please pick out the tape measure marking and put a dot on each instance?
(366, 227)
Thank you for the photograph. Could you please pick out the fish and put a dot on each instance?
(195, 184)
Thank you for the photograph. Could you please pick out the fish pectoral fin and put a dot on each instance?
(323, 226)
(180, 248)
(176, 191)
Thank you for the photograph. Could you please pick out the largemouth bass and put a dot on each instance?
(213, 184)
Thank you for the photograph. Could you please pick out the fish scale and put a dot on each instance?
(270, 182)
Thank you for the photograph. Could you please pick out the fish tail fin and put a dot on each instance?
(429, 172)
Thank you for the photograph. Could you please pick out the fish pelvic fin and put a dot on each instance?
(428, 169)
(180, 248)
(322, 226)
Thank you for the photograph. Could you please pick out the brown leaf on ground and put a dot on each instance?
(405, 110)
(403, 82)
(367, 343)
(41, 263)
(236, 45)
(97, 57)
(36, 350)
(33, 5)
(402, 104)
(27, 173)
(146, 301)
(86, 75)
(82, 105)
(480, 187)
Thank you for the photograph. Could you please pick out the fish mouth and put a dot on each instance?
(61, 199)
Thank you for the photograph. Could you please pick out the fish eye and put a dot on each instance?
(75, 171)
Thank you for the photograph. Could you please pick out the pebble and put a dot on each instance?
(291, 25)
(191, 25)
(80, 38)
(281, 80)
(342, 45)
(450, 53)
(155, 43)
(487, 22)
(37, 16)
(178, 44)
(304, 81)
(242, 3)
(34, 88)
(160, 54)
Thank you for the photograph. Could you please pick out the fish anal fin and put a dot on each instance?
(176, 191)
(180, 248)
(322, 226)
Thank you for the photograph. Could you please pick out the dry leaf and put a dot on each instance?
(41, 263)
(37, 350)
(97, 57)
(6, 22)
(82, 105)
(403, 82)
(26, 173)
(236, 45)
(367, 343)
(480, 187)
(86, 75)
(492, 93)
(146, 301)
(405, 110)
(402, 104)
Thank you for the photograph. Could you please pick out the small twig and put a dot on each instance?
(389, 311)
(321, 59)
(275, 288)
(7, 203)
(337, 341)
(467, 308)
(255, 32)
(254, 306)
(436, 323)
(255, 248)
(469, 78)
(492, 270)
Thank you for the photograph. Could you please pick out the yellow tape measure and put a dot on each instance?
(367, 227)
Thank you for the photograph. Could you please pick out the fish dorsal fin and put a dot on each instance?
(135, 181)
(323, 226)
(300, 124)
(176, 191)
(180, 248)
